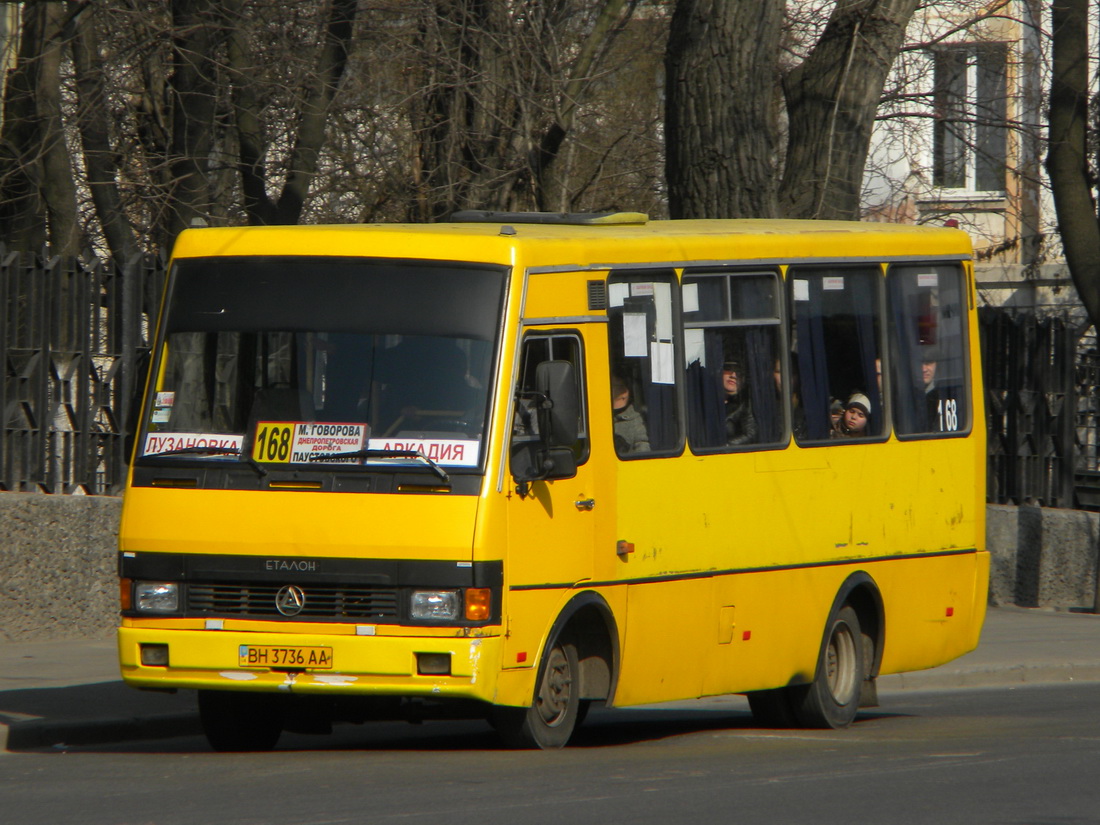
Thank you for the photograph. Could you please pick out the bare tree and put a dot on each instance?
(129, 120)
(721, 121)
(1072, 175)
(731, 110)
(499, 99)
(832, 98)
(132, 119)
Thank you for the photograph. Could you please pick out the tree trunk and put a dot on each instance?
(831, 102)
(721, 70)
(196, 25)
(58, 187)
(100, 161)
(1067, 158)
(313, 115)
(22, 208)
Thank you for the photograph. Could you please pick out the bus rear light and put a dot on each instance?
(478, 603)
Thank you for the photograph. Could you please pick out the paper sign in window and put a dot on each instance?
(617, 293)
(694, 347)
(662, 298)
(635, 338)
(690, 296)
(661, 364)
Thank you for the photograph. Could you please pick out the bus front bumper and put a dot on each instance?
(460, 667)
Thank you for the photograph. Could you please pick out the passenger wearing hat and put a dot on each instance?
(740, 422)
(853, 422)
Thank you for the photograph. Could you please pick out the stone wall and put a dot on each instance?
(58, 567)
(1043, 557)
(58, 563)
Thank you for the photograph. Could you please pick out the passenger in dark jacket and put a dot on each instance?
(740, 422)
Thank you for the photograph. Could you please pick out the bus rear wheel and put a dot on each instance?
(832, 699)
(552, 717)
(236, 721)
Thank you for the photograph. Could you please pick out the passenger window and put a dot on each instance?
(836, 347)
(642, 346)
(928, 343)
(731, 351)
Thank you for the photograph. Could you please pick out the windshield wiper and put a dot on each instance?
(212, 450)
(368, 454)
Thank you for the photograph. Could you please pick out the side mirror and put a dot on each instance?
(559, 406)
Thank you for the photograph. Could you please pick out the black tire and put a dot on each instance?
(832, 699)
(552, 717)
(773, 708)
(238, 721)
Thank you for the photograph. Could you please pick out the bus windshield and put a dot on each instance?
(326, 362)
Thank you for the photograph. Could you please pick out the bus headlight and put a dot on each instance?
(159, 597)
(435, 604)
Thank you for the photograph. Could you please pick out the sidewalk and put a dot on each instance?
(70, 692)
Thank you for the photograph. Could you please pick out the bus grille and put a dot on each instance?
(322, 602)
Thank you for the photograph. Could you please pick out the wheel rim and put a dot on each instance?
(841, 664)
(555, 689)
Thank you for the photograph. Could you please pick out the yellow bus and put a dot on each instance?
(518, 463)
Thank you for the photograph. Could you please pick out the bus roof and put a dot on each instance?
(606, 242)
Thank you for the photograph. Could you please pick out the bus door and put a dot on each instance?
(554, 501)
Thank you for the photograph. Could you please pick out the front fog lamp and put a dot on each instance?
(157, 597)
(435, 604)
(154, 655)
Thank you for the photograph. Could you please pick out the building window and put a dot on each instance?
(970, 137)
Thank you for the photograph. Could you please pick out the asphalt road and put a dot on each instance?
(1023, 756)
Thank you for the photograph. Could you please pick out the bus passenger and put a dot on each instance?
(630, 431)
(740, 422)
(853, 422)
(836, 409)
(931, 390)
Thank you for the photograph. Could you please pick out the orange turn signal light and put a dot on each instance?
(478, 603)
(124, 593)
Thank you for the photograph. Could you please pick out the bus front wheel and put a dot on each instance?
(552, 717)
(832, 699)
(235, 721)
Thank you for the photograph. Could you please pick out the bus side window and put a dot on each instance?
(643, 350)
(928, 344)
(836, 346)
(538, 348)
(731, 348)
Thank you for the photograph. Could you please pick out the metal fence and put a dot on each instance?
(75, 339)
(75, 333)
(1029, 366)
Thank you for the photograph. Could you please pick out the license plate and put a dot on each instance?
(276, 656)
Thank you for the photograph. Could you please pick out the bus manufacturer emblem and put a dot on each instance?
(290, 600)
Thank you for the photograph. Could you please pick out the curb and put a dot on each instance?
(40, 733)
(991, 677)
